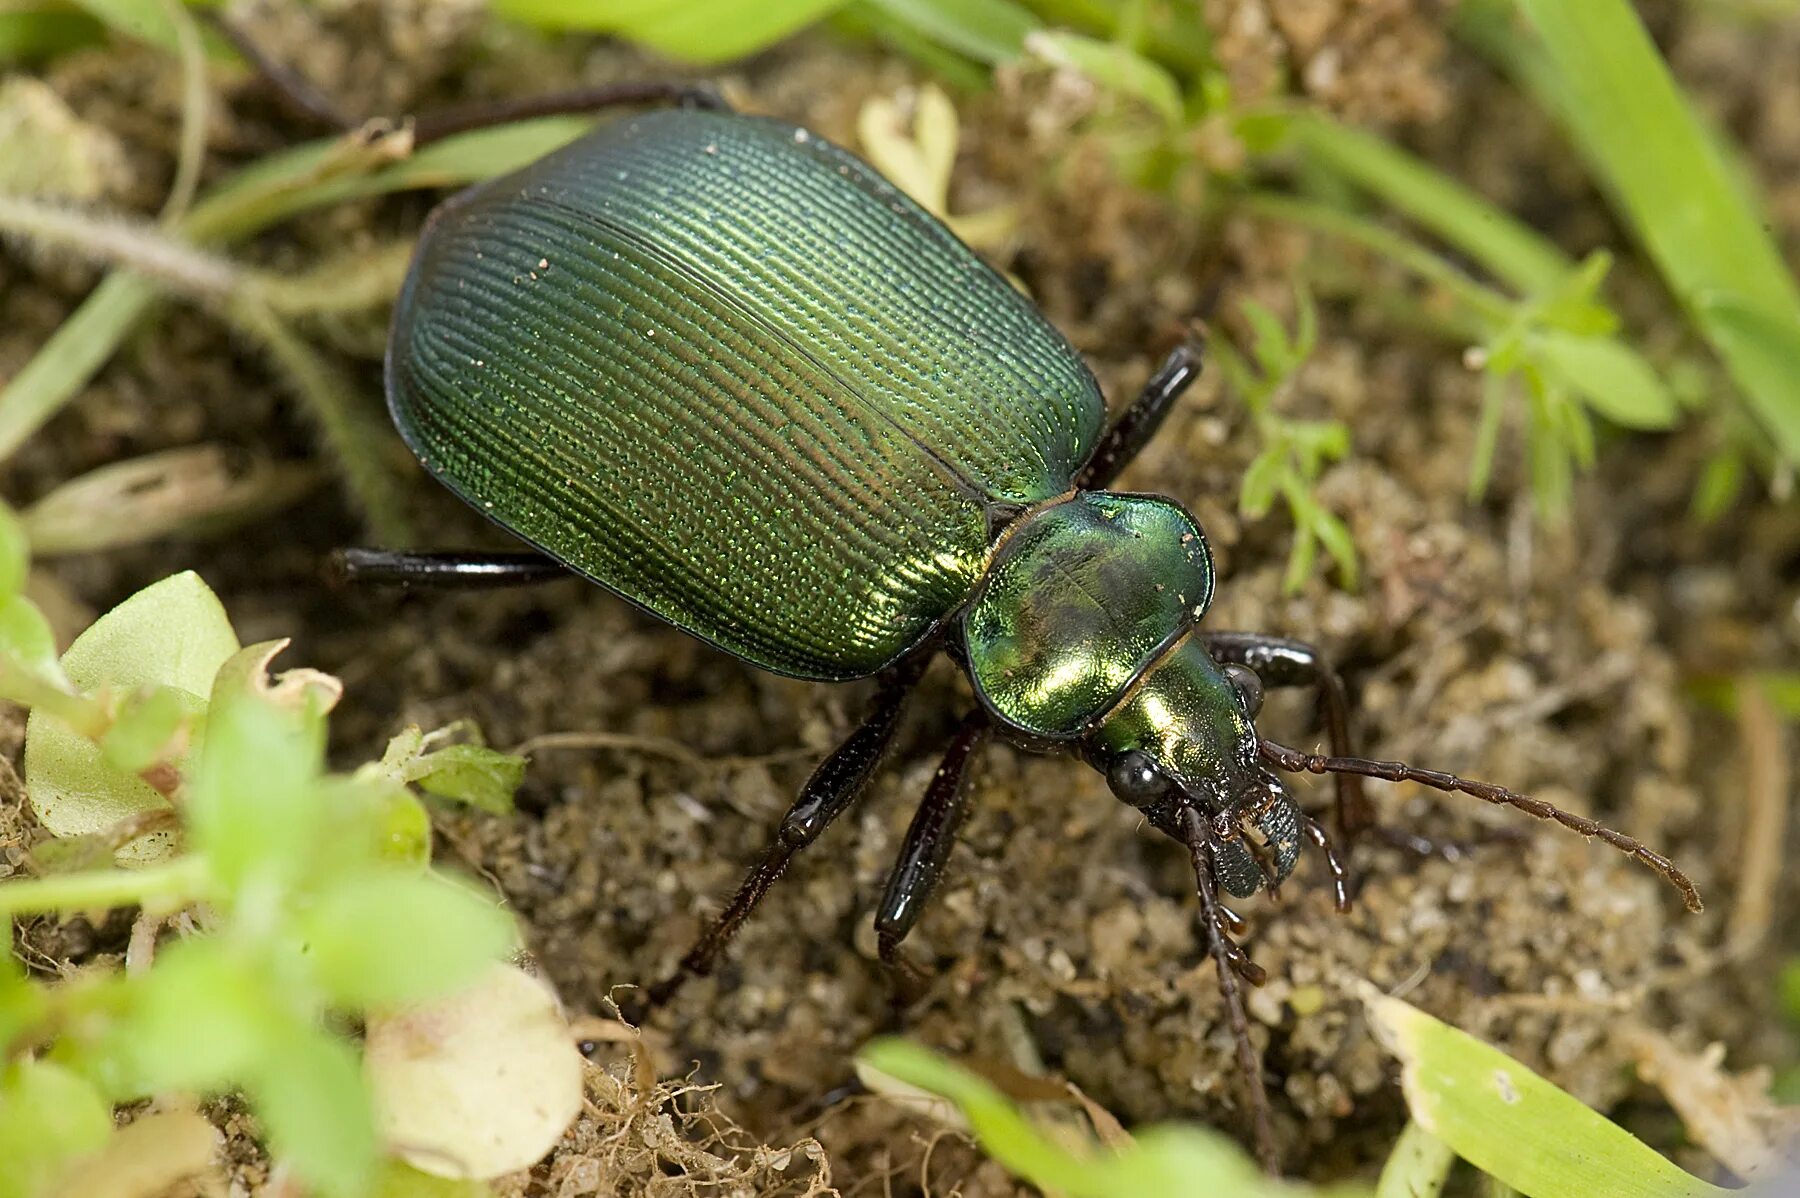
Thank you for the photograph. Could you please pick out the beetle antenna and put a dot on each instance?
(1294, 761)
(1230, 960)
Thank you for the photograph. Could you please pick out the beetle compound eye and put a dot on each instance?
(1248, 686)
(1136, 779)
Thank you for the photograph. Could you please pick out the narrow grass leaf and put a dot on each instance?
(1417, 1167)
(990, 31)
(1600, 73)
(45, 31)
(701, 31)
(1511, 1123)
(259, 195)
(1116, 67)
(1507, 248)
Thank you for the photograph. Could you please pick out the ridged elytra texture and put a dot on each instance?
(721, 367)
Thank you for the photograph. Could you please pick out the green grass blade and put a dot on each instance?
(990, 31)
(1507, 248)
(1597, 70)
(701, 31)
(1510, 1123)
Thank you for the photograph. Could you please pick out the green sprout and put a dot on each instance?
(1294, 452)
(157, 743)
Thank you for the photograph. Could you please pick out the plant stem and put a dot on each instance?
(117, 242)
(182, 880)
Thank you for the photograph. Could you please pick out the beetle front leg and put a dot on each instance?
(1137, 424)
(1279, 661)
(838, 782)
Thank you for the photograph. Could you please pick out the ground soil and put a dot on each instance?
(1553, 659)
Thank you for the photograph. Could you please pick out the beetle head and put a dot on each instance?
(1185, 740)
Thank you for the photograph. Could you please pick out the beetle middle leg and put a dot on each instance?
(838, 782)
(929, 839)
(464, 570)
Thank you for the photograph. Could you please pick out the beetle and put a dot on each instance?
(719, 366)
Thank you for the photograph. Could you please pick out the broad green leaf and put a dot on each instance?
(394, 936)
(478, 1083)
(373, 820)
(200, 1020)
(27, 643)
(484, 778)
(145, 727)
(49, 1115)
(1113, 65)
(1614, 380)
(173, 633)
(309, 1093)
(252, 807)
(1511, 1123)
(990, 31)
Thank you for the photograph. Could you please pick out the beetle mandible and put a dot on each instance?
(721, 367)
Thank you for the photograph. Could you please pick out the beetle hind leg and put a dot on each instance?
(837, 783)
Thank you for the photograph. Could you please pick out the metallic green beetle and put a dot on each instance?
(719, 366)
